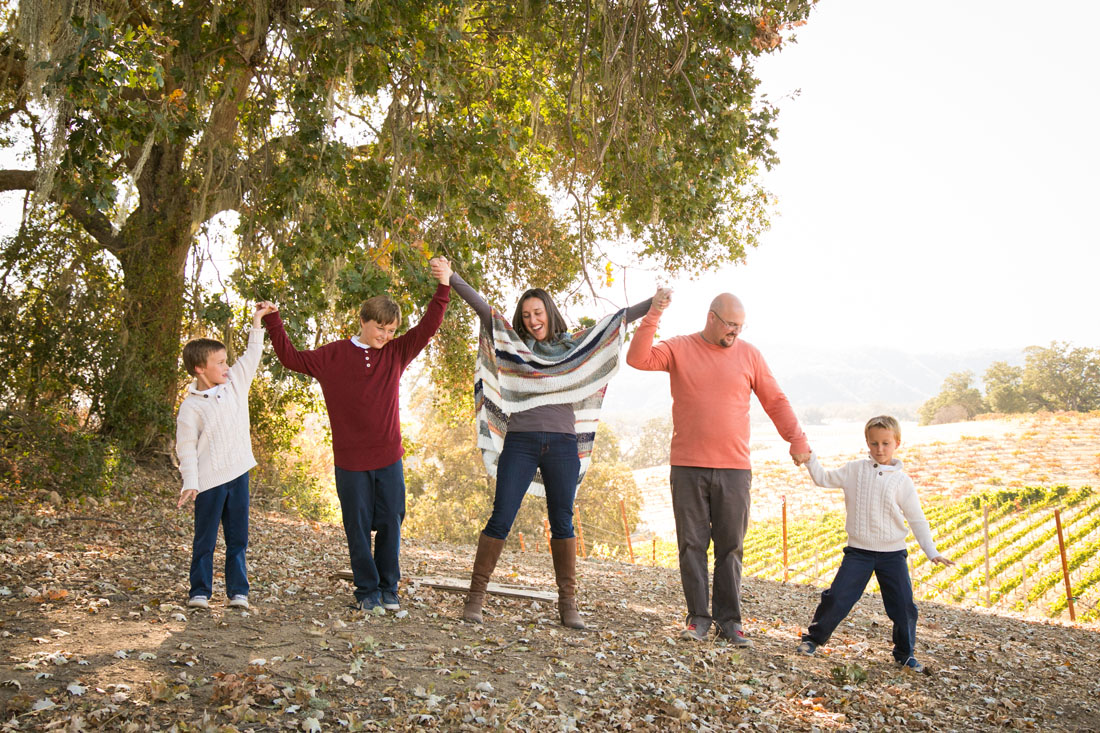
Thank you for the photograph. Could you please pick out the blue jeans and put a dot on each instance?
(554, 455)
(373, 500)
(851, 579)
(228, 505)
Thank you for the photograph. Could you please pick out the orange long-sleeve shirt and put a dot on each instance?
(711, 388)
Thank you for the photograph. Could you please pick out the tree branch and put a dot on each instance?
(93, 221)
(16, 180)
(13, 67)
(229, 193)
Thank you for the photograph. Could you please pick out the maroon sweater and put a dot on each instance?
(362, 401)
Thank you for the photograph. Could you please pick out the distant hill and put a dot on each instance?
(824, 381)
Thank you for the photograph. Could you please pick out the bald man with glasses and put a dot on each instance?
(713, 374)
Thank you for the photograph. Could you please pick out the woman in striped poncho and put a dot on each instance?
(538, 391)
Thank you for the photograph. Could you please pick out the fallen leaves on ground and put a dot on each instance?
(102, 639)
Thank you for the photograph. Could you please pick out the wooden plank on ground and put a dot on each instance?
(462, 586)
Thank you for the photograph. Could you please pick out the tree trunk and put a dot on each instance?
(153, 247)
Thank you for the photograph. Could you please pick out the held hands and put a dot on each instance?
(942, 560)
(661, 299)
(262, 309)
(441, 270)
(801, 458)
(186, 496)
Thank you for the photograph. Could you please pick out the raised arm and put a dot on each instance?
(481, 308)
(413, 341)
(638, 310)
(642, 354)
(244, 369)
(303, 362)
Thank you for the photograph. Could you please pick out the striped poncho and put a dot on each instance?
(511, 378)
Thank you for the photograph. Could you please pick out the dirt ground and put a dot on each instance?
(94, 635)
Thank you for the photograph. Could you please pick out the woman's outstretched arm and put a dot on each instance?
(484, 312)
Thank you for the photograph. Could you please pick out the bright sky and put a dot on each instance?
(939, 183)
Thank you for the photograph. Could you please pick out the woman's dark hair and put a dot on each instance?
(554, 321)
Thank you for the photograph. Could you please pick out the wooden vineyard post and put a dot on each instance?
(546, 530)
(985, 533)
(580, 532)
(1065, 565)
(786, 568)
(522, 546)
(626, 531)
(1023, 580)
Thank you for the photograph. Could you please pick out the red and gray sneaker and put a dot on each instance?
(734, 637)
(695, 632)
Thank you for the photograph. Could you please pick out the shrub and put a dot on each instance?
(50, 450)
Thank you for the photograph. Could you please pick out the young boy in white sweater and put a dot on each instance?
(879, 499)
(214, 445)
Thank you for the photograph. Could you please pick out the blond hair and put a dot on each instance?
(883, 421)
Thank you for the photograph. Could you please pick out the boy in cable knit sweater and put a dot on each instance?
(879, 499)
(214, 445)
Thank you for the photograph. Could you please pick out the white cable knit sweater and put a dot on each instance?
(879, 499)
(213, 435)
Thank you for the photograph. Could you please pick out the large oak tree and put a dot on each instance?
(354, 138)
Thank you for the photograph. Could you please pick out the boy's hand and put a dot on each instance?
(661, 299)
(441, 270)
(262, 309)
(801, 458)
(942, 560)
(186, 496)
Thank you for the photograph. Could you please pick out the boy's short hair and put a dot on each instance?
(381, 309)
(883, 421)
(197, 351)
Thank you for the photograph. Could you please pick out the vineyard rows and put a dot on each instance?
(1025, 566)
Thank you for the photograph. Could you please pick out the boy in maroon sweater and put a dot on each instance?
(360, 378)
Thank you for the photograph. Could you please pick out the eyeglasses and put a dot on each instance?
(738, 327)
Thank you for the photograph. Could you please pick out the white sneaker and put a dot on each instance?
(198, 602)
(239, 602)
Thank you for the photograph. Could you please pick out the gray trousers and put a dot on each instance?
(711, 503)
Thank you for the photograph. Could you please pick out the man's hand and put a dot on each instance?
(801, 458)
(942, 560)
(441, 270)
(661, 299)
(186, 496)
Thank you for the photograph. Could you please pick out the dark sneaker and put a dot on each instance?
(390, 601)
(735, 637)
(371, 604)
(913, 664)
(806, 647)
(695, 632)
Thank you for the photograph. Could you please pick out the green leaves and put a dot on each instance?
(355, 138)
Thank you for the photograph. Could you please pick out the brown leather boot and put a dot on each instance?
(488, 552)
(565, 570)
